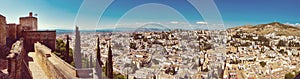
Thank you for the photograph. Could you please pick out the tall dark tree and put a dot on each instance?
(98, 53)
(109, 63)
(203, 61)
(199, 62)
(91, 61)
(127, 77)
(154, 76)
(66, 54)
(99, 63)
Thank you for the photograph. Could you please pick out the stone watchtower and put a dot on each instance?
(2, 30)
(29, 22)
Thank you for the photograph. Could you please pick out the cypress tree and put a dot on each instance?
(109, 63)
(99, 63)
(66, 54)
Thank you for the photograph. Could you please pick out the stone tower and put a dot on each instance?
(77, 51)
(29, 22)
(109, 63)
(12, 31)
(99, 63)
(2, 30)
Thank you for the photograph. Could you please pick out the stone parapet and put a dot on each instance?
(53, 66)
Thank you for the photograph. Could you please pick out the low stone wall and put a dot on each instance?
(53, 66)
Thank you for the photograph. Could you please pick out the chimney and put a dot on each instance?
(30, 14)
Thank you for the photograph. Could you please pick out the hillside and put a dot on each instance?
(275, 27)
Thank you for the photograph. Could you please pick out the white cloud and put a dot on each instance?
(201, 23)
(174, 22)
(295, 25)
(48, 26)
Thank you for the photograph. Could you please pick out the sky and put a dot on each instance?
(63, 14)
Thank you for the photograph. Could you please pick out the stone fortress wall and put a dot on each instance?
(21, 38)
(47, 38)
(2, 30)
(27, 29)
(17, 65)
(54, 67)
(14, 31)
(11, 31)
(31, 47)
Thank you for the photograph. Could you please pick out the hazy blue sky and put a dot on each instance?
(62, 13)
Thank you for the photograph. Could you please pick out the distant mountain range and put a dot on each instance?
(148, 29)
(275, 27)
(261, 29)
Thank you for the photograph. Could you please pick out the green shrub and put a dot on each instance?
(289, 76)
(262, 64)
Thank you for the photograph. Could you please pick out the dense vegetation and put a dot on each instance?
(61, 52)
